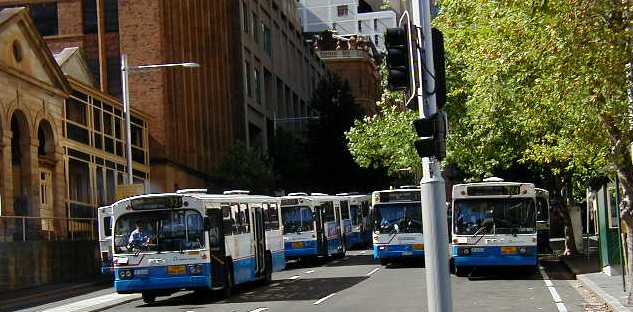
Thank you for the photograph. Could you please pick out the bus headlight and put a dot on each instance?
(464, 251)
(126, 274)
(523, 250)
(195, 269)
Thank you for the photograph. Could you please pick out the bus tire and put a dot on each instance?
(148, 297)
(229, 282)
(462, 271)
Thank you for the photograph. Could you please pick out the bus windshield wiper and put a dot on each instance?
(483, 230)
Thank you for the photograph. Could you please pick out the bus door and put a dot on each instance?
(217, 219)
(259, 236)
(320, 230)
(542, 223)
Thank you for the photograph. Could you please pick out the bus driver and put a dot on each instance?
(139, 237)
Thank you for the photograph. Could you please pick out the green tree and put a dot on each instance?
(246, 168)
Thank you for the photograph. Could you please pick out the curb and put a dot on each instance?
(114, 304)
(35, 296)
(611, 301)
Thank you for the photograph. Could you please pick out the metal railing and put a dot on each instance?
(338, 54)
(21, 228)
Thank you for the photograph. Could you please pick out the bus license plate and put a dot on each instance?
(176, 269)
(297, 245)
(141, 272)
(509, 250)
(477, 250)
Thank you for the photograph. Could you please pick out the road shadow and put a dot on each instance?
(554, 269)
(353, 260)
(281, 290)
(405, 263)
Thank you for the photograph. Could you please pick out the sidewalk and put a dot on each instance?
(609, 288)
(51, 294)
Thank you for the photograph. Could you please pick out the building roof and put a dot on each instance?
(73, 64)
(39, 67)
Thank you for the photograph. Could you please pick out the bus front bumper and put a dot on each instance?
(492, 256)
(157, 278)
(301, 249)
(398, 251)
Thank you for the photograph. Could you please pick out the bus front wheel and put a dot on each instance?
(148, 297)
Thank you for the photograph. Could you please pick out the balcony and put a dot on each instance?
(344, 54)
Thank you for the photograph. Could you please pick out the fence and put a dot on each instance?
(20, 228)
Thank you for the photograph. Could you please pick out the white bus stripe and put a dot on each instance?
(373, 271)
(324, 298)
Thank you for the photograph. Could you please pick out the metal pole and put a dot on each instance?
(621, 249)
(434, 218)
(126, 108)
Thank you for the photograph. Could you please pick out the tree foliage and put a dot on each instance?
(246, 168)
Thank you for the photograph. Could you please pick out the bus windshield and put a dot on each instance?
(494, 216)
(297, 219)
(398, 218)
(166, 230)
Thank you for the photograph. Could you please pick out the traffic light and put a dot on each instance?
(431, 141)
(440, 68)
(397, 45)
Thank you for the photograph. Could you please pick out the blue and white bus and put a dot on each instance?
(397, 216)
(104, 215)
(493, 224)
(164, 243)
(311, 226)
(360, 219)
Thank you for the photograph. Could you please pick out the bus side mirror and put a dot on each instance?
(207, 223)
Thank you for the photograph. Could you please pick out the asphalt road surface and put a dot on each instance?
(357, 283)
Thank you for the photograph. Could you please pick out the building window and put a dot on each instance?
(258, 86)
(268, 41)
(360, 26)
(44, 16)
(247, 83)
(245, 17)
(17, 51)
(111, 11)
(375, 24)
(255, 28)
(376, 39)
(342, 10)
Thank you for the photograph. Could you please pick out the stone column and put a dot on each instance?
(60, 192)
(7, 226)
(32, 168)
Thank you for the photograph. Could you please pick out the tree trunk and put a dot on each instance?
(563, 189)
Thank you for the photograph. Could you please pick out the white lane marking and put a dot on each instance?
(335, 262)
(346, 258)
(274, 285)
(259, 310)
(80, 305)
(324, 298)
(373, 271)
(294, 277)
(363, 252)
(309, 272)
(552, 290)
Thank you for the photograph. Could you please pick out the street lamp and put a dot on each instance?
(125, 69)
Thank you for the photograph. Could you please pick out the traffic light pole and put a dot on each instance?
(434, 219)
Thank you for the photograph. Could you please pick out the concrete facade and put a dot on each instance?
(62, 151)
(256, 72)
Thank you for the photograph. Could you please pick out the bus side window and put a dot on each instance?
(344, 210)
(328, 212)
(273, 216)
(107, 226)
(237, 221)
(265, 216)
(542, 213)
(245, 219)
(227, 219)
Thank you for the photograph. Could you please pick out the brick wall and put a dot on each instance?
(70, 17)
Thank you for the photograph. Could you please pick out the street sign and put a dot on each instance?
(129, 190)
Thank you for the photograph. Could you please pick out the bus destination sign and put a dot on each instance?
(400, 196)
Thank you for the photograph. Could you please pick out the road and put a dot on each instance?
(357, 283)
